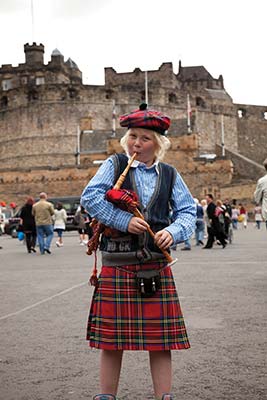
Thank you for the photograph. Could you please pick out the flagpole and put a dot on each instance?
(113, 118)
(146, 88)
(78, 145)
(32, 15)
(188, 115)
(222, 135)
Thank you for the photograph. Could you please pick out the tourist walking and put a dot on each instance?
(215, 229)
(81, 219)
(60, 219)
(243, 217)
(135, 304)
(200, 225)
(258, 216)
(43, 212)
(227, 216)
(27, 222)
(235, 215)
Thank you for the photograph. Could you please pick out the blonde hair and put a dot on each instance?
(163, 143)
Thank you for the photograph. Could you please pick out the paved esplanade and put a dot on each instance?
(43, 313)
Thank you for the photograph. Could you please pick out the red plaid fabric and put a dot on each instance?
(124, 199)
(147, 119)
(120, 319)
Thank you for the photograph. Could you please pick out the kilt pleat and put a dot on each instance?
(120, 319)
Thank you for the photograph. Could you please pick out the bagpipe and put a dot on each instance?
(126, 200)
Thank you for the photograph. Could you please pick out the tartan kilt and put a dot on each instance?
(120, 319)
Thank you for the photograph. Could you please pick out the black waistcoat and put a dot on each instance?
(156, 213)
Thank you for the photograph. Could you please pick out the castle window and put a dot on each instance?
(40, 80)
(32, 95)
(24, 80)
(6, 84)
(109, 94)
(172, 98)
(72, 92)
(4, 101)
(264, 114)
(241, 113)
(200, 102)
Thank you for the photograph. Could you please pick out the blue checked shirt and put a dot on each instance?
(181, 202)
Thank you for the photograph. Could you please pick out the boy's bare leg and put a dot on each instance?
(110, 368)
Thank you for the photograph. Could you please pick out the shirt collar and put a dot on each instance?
(136, 164)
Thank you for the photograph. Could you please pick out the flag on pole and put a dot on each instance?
(113, 118)
(146, 88)
(189, 113)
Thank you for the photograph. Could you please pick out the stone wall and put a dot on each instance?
(252, 132)
(210, 131)
(64, 181)
(45, 134)
(244, 169)
(17, 185)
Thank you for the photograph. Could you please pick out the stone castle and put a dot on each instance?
(55, 130)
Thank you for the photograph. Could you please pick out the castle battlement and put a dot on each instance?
(35, 73)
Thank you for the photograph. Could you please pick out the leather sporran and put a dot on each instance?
(148, 282)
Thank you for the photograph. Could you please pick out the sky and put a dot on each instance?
(227, 37)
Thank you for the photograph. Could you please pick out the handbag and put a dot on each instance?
(148, 282)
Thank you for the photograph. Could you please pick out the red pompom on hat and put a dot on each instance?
(146, 119)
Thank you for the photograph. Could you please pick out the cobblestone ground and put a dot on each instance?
(44, 304)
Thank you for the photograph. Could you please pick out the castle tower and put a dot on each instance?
(34, 54)
(57, 59)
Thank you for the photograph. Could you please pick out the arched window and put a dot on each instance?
(6, 84)
(172, 98)
(241, 113)
(200, 102)
(4, 101)
(264, 114)
(72, 92)
(109, 94)
(32, 95)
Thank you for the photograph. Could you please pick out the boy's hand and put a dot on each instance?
(137, 226)
(163, 239)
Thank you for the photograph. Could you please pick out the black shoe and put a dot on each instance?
(200, 242)
(29, 251)
(47, 251)
(207, 247)
(32, 249)
(185, 248)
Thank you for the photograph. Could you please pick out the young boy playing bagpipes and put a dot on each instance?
(135, 305)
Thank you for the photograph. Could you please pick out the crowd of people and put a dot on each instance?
(40, 221)
(216, 220)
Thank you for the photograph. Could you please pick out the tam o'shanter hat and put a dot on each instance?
(146, 119)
